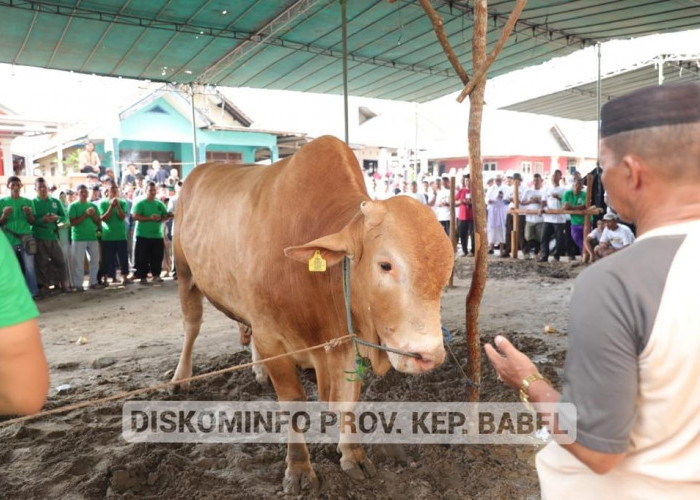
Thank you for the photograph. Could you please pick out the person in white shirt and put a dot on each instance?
(383, 191)
(442, 204)
(497, 201)
(413, 193)
(615, 237)
(554, 224)
(534, 223)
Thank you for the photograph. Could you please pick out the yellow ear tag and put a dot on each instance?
(317, 264)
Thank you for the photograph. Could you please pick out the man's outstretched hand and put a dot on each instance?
(511, 365)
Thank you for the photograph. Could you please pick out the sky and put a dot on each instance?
(71, 97)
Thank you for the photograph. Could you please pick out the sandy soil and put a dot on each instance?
(81, 454)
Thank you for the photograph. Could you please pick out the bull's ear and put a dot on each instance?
(333, 247)
(374, 213)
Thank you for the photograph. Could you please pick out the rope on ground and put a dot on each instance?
(331, 344)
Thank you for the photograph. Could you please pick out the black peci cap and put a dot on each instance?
(671, 104)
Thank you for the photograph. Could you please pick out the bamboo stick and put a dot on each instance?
(587, 220)
(516, 221)
(453, 231)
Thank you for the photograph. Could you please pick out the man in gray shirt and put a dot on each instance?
(632, 368)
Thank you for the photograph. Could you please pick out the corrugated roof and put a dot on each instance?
(580, 102)
(296, 44)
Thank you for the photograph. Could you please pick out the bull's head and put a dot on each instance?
(401, 261)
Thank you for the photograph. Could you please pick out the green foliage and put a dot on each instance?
(70, 162)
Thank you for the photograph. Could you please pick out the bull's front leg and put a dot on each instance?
(353, 461)
(299, 472)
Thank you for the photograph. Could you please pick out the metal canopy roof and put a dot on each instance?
(296, 44)
(580, 102)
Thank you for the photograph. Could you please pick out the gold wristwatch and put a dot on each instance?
(527, 381)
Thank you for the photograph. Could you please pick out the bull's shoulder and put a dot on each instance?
(327, 161)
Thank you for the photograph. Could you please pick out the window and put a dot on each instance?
(143, 159)
(490, 165)
(526, 167)
(539, 168)
(571, 166)
(224, 156)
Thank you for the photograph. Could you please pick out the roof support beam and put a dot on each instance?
(267, 32)
(170, 40)
(26, 39)
(63, 36)
(137, 41)
(525, 28)
(102, 38)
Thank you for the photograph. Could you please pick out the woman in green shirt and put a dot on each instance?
(16, 219)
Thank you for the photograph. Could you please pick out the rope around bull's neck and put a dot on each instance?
(356, 340)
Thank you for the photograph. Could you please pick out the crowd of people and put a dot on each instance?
(544, 232)
(122, 232)
(117, 233)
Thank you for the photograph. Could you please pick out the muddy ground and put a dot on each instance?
(134, 338)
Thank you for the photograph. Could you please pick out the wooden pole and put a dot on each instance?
(527, 211)
(476, 291)
(587, 220)
(516, 221)
(453, 230)
(344, 22)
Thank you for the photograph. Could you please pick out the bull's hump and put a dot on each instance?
(328, 162)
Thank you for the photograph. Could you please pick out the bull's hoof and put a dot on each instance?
(359, 471)
(261, 375)
(181, 388)
(300, 478)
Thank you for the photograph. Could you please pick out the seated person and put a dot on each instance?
(592, 240)
(615, 237)
(89, 160)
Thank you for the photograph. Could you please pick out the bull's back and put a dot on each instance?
(216, 227)
(233, 223)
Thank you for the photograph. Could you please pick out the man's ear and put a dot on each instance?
(635, 170)
(333, 247)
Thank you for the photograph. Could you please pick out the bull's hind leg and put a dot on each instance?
(191, 304)
(285, 379)
(259, 370)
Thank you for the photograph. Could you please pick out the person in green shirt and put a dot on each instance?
(575, 199)
(16, 219)
(24, 375)
(113, 211)
(84, 220)
(149, 214)
(64, 236)
(50, 265)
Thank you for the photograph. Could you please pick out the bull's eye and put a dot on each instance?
(385, 266)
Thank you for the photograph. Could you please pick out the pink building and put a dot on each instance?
(521, 163)
(522, 145)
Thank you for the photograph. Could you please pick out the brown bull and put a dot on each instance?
(243, 237)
